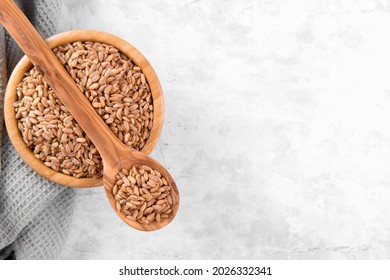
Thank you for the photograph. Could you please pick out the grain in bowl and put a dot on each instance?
(116, 88)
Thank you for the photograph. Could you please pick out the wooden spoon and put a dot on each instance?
(115, 155)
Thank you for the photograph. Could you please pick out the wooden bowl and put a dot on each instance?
(25, 65)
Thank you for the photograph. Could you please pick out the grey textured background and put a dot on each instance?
(276, 129)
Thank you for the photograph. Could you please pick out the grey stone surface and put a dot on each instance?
(276, 129)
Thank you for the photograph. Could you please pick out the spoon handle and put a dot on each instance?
(37, 50)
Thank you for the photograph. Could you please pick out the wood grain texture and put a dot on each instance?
(25, 65)
(115, 154)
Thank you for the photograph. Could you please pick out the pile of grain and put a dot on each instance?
(116, 88)
(142, 194)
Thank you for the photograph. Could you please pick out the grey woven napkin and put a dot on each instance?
(34, 213)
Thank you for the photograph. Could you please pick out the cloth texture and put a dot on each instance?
(34, 213)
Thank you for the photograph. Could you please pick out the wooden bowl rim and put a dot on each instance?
(25, 65)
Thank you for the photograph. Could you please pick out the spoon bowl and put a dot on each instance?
(135, 158)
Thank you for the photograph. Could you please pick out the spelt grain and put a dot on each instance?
(116, 88)
(140, 205)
